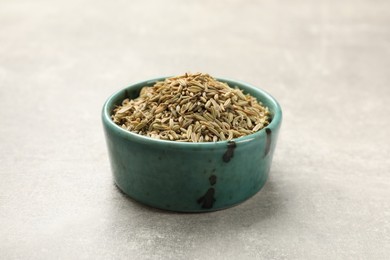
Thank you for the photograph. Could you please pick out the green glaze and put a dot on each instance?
(190, 177)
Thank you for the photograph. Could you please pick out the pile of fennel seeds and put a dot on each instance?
(192, 108)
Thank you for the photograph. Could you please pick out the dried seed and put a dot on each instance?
(199, 117)
(226, 125)
(227, 102)
(215, 104)
(208, 104)
(208, 116)
(173, 133)
(140, 125)
(211, 129)
(189, 130)
(249, 122)
(182, 82)
(216, 126)
(230, 137)
(213, 112)
(176, 128)
(124, 109)
(242, 103)
(194, 90)
(155, 98)
(173, 111)
(198, 137)
(187, 123)
(196, 128)
(222, 108)
(230, 117)
(193, 137)
(240, 94)
(160, 127)
(160, 108)
(257, 127)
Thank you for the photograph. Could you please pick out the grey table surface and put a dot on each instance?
(327, 62)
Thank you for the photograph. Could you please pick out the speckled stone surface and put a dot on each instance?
(326, 62)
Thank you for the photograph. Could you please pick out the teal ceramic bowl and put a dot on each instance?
(190, 177)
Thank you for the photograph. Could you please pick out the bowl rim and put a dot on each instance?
(107, 121)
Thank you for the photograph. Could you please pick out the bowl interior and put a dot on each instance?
(133, 91)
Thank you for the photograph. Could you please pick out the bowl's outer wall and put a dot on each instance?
(194, 177)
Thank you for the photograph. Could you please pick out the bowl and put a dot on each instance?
(190, 177)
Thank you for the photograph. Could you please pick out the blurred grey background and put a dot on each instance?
(327, 62)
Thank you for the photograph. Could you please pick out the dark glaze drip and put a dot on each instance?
(268, 141)
(208, 199)
(228, 155)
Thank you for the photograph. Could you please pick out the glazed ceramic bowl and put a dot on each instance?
(190, 177)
